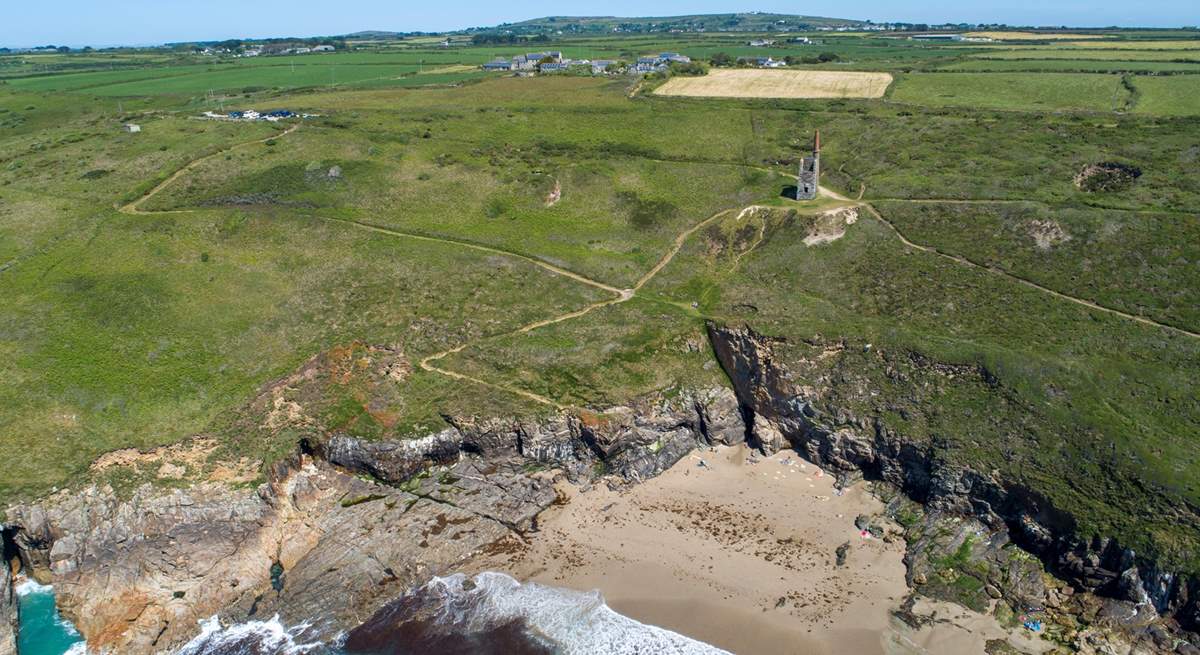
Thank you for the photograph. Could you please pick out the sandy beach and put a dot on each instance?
(740, 555)
(739, 551)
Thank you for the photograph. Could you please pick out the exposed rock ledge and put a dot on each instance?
(782, 414)
(338, 530)
(8, 609)
(346, 524)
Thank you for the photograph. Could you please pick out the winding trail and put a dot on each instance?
(619, 295)
(134, 206)
(427, 362)
(959, 259)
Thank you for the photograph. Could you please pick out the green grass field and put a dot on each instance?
(1168, 96)
(1107, 55)
(1070, 65)
(1014, 91)
(422, 212)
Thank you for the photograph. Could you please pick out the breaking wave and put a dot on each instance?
(250, 638)
(488, 614)
(494, 613)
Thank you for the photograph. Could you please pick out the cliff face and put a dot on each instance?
(780, 406)
(338, 530)
(347, 524)
(8, 603)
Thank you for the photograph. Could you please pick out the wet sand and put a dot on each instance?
(740, 552)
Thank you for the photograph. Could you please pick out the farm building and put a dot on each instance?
(600, 66)
(660, 62)
(498, 65)
(762, 62)
(936, 37)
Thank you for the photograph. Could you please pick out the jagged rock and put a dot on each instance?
(347, 524)
(720, 417)
(8, 606)
(841, 553)
(791, 402)
(393, 461)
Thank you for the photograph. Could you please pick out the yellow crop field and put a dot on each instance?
(756, 83)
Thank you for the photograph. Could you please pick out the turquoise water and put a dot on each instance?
(42, 630)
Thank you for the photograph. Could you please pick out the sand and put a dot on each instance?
(741, 555)
(758, 83)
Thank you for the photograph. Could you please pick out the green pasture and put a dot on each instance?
(120, 330)
(1069, 65)
(1106, 55)
(1168, 96)
(1013, 91)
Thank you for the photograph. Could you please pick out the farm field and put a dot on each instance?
(1169, 96)
(1015, 91)
(1108, 55)
(1070, 65)
(779, 84)
(1033, 36)
(1192, 44)
(434, 210)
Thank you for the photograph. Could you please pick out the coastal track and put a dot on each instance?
(427, 363)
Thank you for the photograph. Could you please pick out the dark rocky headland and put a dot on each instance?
(345, 525)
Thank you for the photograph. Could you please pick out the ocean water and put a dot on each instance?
(488, 614)
(43, 631)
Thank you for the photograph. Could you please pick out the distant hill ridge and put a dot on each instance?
(738, 22)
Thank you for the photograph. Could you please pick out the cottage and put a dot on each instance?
(600, 66)
(650, 65)
(131, 127)
(323, 48)
(761, 43)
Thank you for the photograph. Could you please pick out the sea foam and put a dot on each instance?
(251, 637)
(575, 622)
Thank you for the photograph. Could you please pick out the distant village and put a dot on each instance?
(553, 61)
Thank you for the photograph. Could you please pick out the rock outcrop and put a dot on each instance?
(8, 603)
(780, 408)
(339, 529)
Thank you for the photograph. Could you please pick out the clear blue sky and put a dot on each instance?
(143, 22)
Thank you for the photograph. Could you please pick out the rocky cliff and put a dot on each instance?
(347, 524)
(788, 408)
(340, 528)
(8, 602)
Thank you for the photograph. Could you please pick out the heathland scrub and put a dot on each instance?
(142, 329)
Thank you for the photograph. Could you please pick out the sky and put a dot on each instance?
(25, 23)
